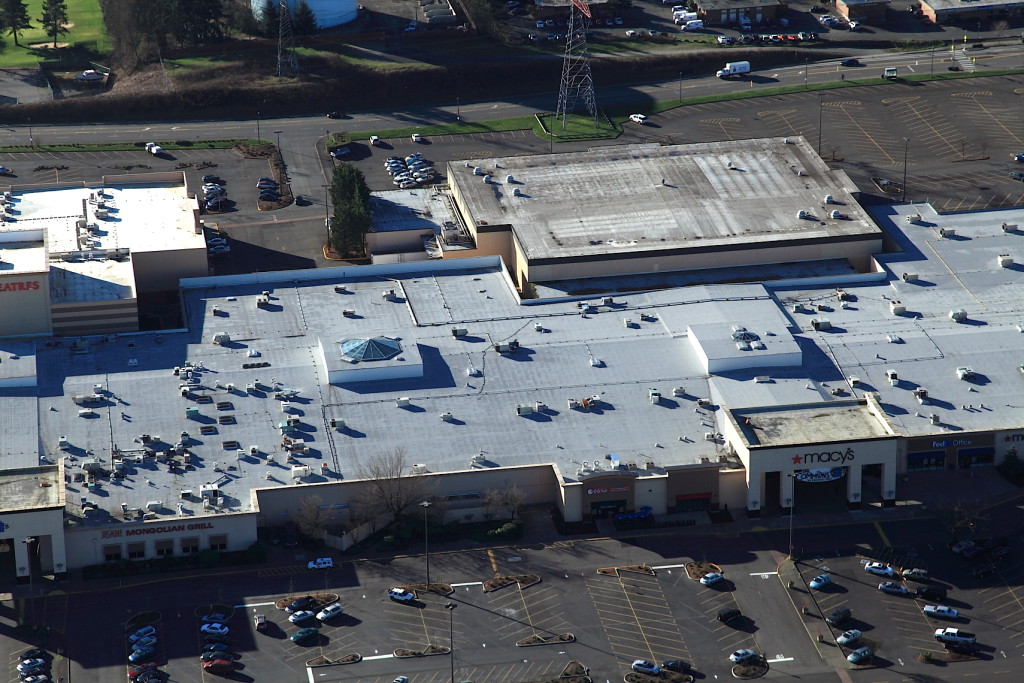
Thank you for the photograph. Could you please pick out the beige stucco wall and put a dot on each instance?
(395, 241)
(25, 303)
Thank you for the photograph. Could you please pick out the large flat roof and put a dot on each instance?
(647, 197)
(30, 488)
(820, 422)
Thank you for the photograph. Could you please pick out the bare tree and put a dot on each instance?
(514, 497)
(390, 487)
(493, 502)
(510, 498)
(310, 517)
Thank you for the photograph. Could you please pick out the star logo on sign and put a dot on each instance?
(797, 459)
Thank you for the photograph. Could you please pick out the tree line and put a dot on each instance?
(140, 29)
(14, 18)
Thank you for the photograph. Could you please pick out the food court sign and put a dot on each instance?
(822, 475)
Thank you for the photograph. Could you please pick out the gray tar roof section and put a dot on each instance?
(809, 424)
(958, 5)
(395, 210)
(29, 488)
(648, 197)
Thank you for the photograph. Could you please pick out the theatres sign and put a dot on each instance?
(163, 529)
(19, 286)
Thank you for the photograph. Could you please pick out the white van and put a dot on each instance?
(696, 25)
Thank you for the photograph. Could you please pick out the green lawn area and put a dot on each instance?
(86, 35)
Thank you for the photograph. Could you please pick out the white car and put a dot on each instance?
(408, 184)
(848, 637)
(90, 75)
(940, 612)
(416, 137)
(374, 140)
(880, 569)
(215, 629)
(743, 655)
(711, 579)
(638, 118)
(301, 616)
(893, 588)
(321, 563)
(330, 612)
(401, 679)
(646, 667)
(401, 595)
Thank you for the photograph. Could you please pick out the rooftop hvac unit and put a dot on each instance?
(762, 379)
(286, 407)
(947, 232)
(934, 419)
(897, 307)
(572, 404)
(222, 338)
(348, 313)
(893, 339)
(709, 436)
(596, 362)
(853, 380)
(627, 322)
(821, 324)
(300, 471)
(262, 302)
(459, 331)
(81, 223)
(192, 413)
(703, 401)
(487, 179)
(802, 214)
(388, 295)
(835, 214)
(654, 396)
(479, 457)
(402, 401)
(829, 199)
(914, 218)
(509, 179)
(537, 327)
(921, 394)
(477, 170)
(958, 315)
(842, 294)
(472, 372)
(1005, 261)
(1009, 227)
(909, 277)
(837, 391)
(524, 409)
(965, 373)
(337, 423)
(446, 417)
(743, 346)
(420, 469)
(516, 192)
(340, 289)
(679, 391)
(154, 505)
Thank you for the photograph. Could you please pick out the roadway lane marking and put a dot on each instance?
(258, 604)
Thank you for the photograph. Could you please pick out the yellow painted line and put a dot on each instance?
(494, 561)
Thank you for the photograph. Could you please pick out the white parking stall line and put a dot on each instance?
(470, 583)
(669, 566)
(779, 658)
(258, 604)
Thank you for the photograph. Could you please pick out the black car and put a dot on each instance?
(850, 62)
(212, 179)
(269, 196)
(34, 653)
(931, 593)
(678, 665)
(1000, 552)
(303, 603)
(981, 571)
(337, 115)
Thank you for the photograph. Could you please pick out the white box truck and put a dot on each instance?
(733, 69)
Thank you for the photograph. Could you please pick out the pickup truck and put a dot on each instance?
(154, 149)
(954, 636)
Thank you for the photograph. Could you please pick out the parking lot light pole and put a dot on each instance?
(327, 213)
(451, 634)
(257, 127)
(426, 540)
(278, 134)
(30, 142)
(680, 98)
(906, 144)
(821, 104)
(792, 513)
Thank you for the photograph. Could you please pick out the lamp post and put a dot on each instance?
(680, 98)
(257, 127)
(458, 109)
(451, 634)
(792, 512)
(278, 134)
(821, 104)
(327, 213)
(805, 72)
(30, 142)
(426, 540)
(906, 144)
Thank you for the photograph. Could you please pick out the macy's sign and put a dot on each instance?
(840, 456)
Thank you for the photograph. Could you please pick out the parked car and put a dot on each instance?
(880, 569)
(416, 137)
(940, 612)
(679, 666)
(141, 655)
(893, 588)
(374, 140)
(222, 249)
(838, 616)
(330, 612)
(401, 595)
(414, 155)
(915, 574)
(30, 664)
(300, 604)
(1017, 175)
(33, 653)
(215, 638)
(1000, 552)
(216, 647)
(744, 655)
(337, 115)
(645, 667)
(861, 655)
(37, 678)
(960, 546)
(142, 633)
(981, 571)
(711, 579)
(1019, 157)
(304, 635)
(638, 118)
(341, 152)
(149, 641)
(301, 616)
(820, 581)
(210, 178)
(407, 184)
(401, 679)
(219, 666)
(5, 171)
(848, 637)
(216, 617)
(215, 242)
(219, 629)
(973, 552)
(260, 620)
(930, 592)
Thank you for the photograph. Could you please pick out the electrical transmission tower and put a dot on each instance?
(287, 62)
(577, 88)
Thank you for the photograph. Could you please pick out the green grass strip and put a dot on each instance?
(129, 146)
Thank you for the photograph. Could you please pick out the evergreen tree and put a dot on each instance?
(14, 17)
(304, 20)
(350, 197)
(269, 18)
(55, 16)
